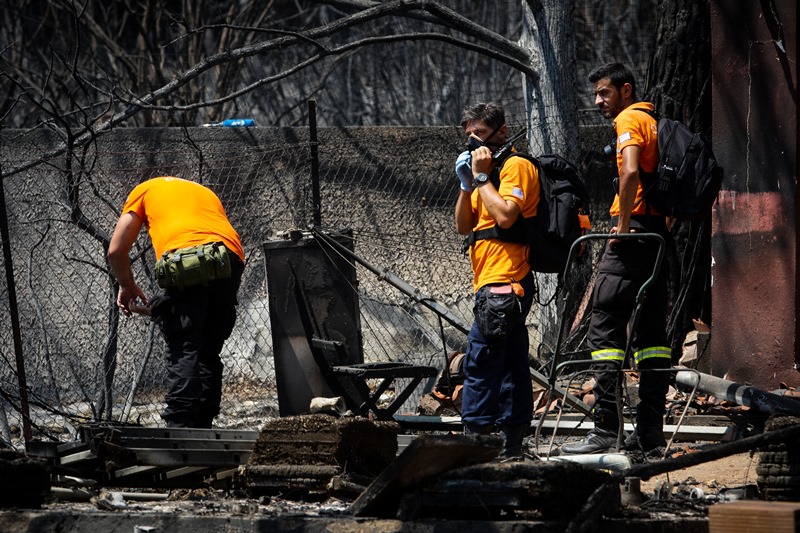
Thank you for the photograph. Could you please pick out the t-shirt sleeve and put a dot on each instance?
(628, 132)
(135, 201)
(519, 183)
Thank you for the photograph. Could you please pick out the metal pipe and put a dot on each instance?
(397, 282)
(573, 253)
(763, 401)
(76, 494)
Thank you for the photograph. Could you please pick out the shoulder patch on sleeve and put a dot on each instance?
(517, 192)
(624, 137)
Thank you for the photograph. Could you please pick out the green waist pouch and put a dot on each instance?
(196, 265)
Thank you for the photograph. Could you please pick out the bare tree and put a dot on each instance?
(81, 70)
(551, 97)
(161, 68)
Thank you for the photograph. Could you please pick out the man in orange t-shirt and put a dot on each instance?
(625, 266)
(497, 391)
(195, 319)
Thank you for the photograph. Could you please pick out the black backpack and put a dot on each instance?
(562, 215)
(687, 180)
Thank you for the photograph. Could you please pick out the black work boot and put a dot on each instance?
(512, 448)
(649, 435)
(635, 442)
(598, 440)
(471, 429)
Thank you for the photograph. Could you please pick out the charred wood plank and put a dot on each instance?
(426, 457)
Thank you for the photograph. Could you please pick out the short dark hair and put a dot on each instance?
(617, 73)
(491, 113)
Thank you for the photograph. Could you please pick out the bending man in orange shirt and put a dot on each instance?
(195, 314)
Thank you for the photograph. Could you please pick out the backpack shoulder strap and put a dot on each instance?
(479, 235)
(516, 232)
(652, 112)
(644, 175)
(529, 157)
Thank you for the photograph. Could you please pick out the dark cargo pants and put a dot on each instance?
(622, 271)
(195, 323)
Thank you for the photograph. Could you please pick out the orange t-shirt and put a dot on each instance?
(179, 213)
(637, 128)
(493, 260)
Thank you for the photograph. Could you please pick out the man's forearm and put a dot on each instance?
(628, 185)
(463, 213)
(122, 240)
(121, 267)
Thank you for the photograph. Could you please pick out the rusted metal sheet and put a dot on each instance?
(754, 238)
(329, 282)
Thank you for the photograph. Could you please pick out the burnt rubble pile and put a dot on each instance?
(778, 466)
(26, 481)
(317, 453)
(460, 477)
(551, 491)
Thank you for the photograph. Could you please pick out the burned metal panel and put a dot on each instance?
(754, 241)
(329, 284)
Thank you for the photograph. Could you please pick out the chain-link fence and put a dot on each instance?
(84, 362)
(393, 187)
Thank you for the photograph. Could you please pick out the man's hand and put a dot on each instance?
(482, 161)
(616, 230)
(129, 298)
(464, 170)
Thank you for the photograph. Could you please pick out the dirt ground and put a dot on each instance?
(727, 473)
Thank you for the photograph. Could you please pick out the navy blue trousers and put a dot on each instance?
(497, 383)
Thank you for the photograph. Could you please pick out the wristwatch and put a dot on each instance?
(481, 178)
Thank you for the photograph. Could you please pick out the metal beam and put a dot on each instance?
(92, 431)
(683, 433)
(166, 457)
(187, 444)
(576, 428)
(86, 455)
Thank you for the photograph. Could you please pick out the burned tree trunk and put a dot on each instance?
(679, 75)
(551, 101)
(679, 84)
(550, 98)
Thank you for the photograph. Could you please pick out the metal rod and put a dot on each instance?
(440, 310)
(397, 282)
(14, 312)
(573, 253)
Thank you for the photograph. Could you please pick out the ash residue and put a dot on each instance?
(355, 445)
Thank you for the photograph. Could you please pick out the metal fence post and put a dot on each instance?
(312, 132)
(14, 312)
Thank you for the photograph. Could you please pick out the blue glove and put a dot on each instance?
(464, 170)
